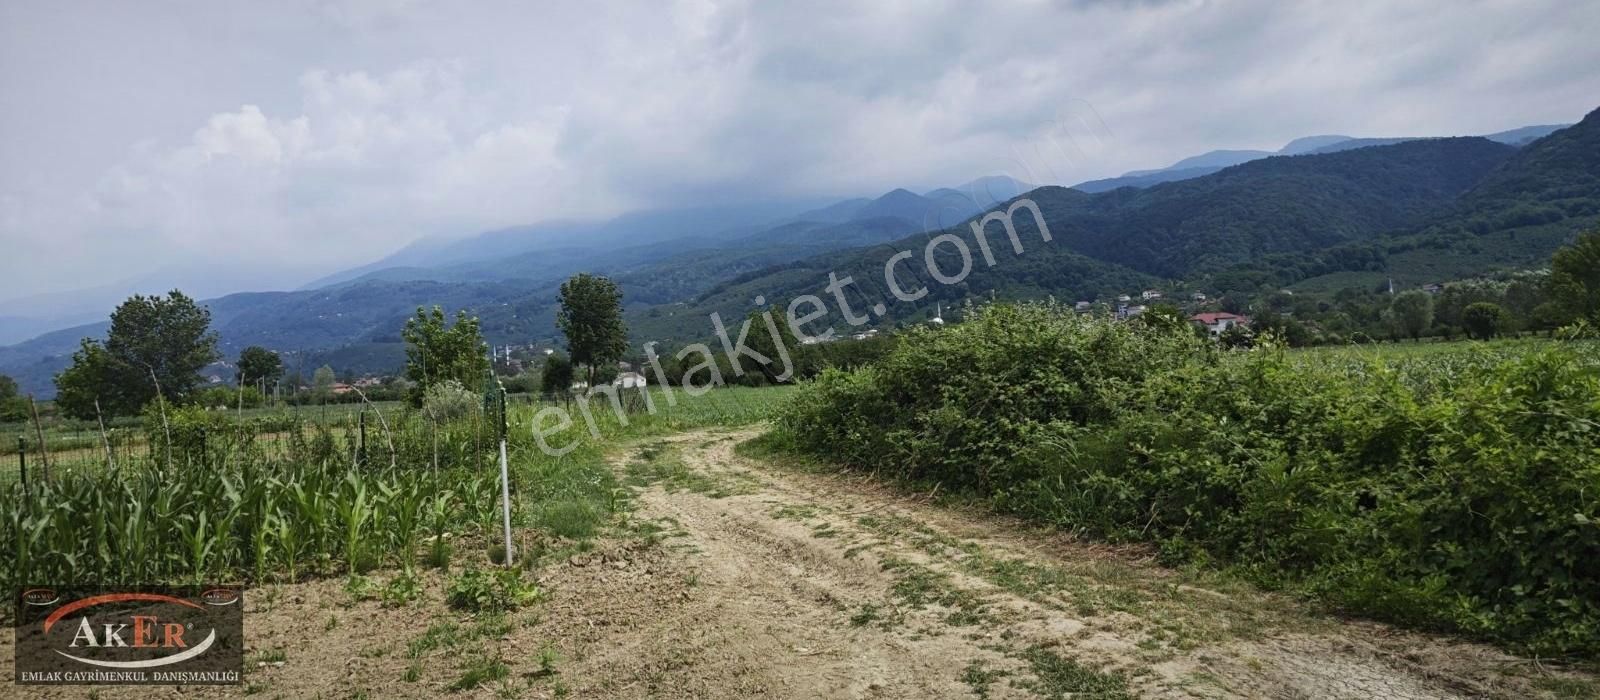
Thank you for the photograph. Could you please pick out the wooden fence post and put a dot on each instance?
(22, 462)
(44, 451)
(110, 461)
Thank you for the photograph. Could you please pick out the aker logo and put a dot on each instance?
(141, 635)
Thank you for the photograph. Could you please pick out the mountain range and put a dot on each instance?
(1322, 211)
(1213, 161)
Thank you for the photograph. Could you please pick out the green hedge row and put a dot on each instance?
(1456, 491)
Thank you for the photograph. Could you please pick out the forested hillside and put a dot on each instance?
(1272, 205)
(1127, 240)
(1514, 217)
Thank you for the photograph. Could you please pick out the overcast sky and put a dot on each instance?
(281, 140)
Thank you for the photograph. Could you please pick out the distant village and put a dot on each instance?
(515, 360)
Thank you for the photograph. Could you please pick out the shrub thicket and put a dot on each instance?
(1458, 491)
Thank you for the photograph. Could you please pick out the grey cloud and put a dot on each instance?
(314, 135)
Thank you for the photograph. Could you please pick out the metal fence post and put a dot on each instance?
(505, 480)
(361, 447)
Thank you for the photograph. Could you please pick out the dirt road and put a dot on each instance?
(740, 578)
(824, 585)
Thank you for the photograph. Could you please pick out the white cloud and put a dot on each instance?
(369, 161)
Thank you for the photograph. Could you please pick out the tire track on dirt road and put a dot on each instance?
(826, 585)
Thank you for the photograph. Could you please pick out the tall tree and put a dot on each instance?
(557, 375)
(12, 406)
(1575, 277)
(1413, 312)
(591, 318)
(169, 337)
(95, 377)
(1485, 320)
(436, 352)
(257, 363)
(322, 382)
(762, 342)
(155, 344)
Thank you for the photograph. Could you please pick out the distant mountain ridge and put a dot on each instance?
(1412, 209)
(514, 293)
(1514, 217)
(1213, 161)
(1127, 240)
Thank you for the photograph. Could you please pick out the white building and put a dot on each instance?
(1149, 294)
(629, 380)
(1218, 323)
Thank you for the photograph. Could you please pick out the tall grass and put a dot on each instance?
(572, 495)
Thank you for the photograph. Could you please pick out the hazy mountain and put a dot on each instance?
(1202, 165)
(366, 315)
(1514, 137)
(1525, 135)
(1149, 178)
(1307, 144)
(1351, 144)
(836, 213)
(1126, 240)
(993, 189)
(1213, 161)
(15, 329)
(1217, 159)
(558, 249)
(898, 203)
(712, 222)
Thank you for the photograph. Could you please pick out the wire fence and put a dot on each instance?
(31, 451)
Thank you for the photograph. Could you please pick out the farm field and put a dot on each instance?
(362, 349)
(730, 572)
(694, 551)
(81, 445)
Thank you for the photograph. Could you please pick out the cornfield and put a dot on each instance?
(211, 498)
(213, 503)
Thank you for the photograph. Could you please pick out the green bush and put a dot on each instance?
(225, 397)
(1456, 491)
(190, 434)
(448, 400)
(498, 590)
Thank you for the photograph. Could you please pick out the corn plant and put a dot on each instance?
(235, 511)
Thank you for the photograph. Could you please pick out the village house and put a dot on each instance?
(1149, 294)
(629, 380)
(1198, 296)
(1082, 306)
(1218, 323)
